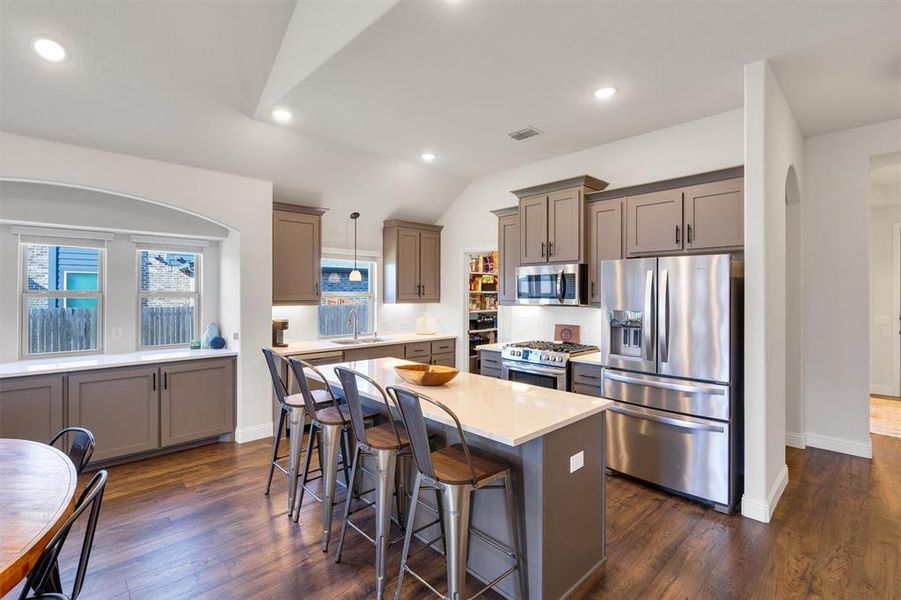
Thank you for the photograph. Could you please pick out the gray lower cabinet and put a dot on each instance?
(445, 360)
(490, 363)
(586, 379)
(121, 408)
(197, 400)
(31, 408)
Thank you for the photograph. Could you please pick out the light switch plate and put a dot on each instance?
(576, 461)
(117, 333)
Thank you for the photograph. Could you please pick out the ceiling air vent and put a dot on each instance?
(524, 134)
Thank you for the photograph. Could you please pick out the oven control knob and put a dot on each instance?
(544, 357)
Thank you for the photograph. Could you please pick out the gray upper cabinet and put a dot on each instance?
(605, 241)
(508, 249)
(31, 408)
(565, 216)
(412, 262)
(197, 400)
(296, 253)
(552, 221)
(120, 406)
(714, 215)
(654, 223)
(533, 230)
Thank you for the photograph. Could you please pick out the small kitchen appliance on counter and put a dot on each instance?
(544, 364)
(278, 333)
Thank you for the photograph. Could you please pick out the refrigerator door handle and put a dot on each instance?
(663, 324)
(666, 420)
(712, 390)
(647, 320)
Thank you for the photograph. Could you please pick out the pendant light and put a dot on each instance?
(355, 275)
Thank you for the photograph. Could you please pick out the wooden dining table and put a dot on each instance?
(37, 493)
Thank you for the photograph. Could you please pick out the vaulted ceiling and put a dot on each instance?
(373, 85)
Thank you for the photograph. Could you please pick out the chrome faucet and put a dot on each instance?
(352, 319)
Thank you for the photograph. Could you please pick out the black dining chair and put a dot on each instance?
(44, 577)
(81, 447)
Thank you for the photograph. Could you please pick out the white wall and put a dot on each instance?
(836, 284)
(773, 144)
(794, 360)
(239, 203)
(704, 145)
(883, 277)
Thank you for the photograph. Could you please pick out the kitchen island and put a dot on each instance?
(555, 442)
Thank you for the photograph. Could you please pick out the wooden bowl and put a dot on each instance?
(426, 374)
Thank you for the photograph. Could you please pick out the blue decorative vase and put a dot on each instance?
(217, 343)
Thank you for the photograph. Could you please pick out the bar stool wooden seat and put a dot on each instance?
(455, 472)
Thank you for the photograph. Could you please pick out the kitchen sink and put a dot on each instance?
(360, 340)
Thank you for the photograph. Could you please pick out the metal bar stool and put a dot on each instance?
(330, 424)
(280, 386)
(455, 472)
(387, 443)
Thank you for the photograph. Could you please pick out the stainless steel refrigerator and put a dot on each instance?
(671, 351)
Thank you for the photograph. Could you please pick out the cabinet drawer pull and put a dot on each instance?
(166, 381)
(153, 382)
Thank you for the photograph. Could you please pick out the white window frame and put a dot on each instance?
(366, 257)
(27, 294)
(197, 294)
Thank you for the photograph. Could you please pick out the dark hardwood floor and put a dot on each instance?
(197, 525)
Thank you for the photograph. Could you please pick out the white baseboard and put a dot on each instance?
(763, 510)
(845, 446)
(795, 440)
(254, 432)
(882, 390)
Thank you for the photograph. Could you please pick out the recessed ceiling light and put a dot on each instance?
(605, 92)
(49, 49)
(429, 156)
(282, 115)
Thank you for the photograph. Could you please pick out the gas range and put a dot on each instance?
(549, 354)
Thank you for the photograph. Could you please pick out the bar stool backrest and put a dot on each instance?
(81, 447)
(92, 497)
(280, 386)
(409, 403)
(348, 378)
(302, 370)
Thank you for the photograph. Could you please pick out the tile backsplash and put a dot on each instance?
(523, 323)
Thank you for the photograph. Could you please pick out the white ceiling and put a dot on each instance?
(183, 81)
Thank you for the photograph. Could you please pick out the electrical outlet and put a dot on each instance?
(576, 461)
(235, 335)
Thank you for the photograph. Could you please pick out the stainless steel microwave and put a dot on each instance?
(561, 285)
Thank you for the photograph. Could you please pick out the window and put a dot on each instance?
(62, 299)
(168, 297)
(340, 296)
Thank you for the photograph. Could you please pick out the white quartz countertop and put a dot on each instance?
(325, 345)
(65, 364)
(588, 359)
(496, 347)
(507, 412)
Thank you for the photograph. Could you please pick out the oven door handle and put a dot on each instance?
(666, 420)
(526, 368)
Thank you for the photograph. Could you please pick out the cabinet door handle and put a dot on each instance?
(592, 290)
(688, 233)
(165, 381)
(542, 249)
(153, 382)
(550, 249)
(678, 237)
(316, 289)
